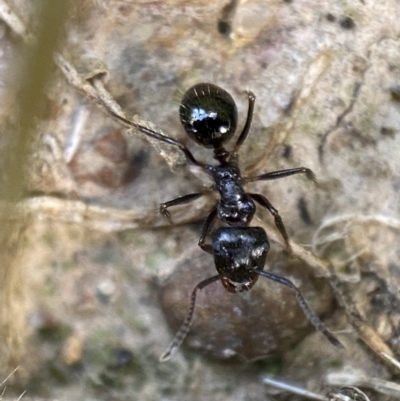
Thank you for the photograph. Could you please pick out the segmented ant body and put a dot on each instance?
(209, 116)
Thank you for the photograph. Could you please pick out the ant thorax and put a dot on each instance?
(235, 208)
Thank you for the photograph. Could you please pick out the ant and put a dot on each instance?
(209, 116)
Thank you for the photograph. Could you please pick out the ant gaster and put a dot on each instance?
(209, 116)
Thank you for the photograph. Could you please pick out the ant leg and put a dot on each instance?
(264, 202)
(207, 227)
(178, 201)
(184, 329)
(246, 128)
(156, 135)
(311, 316)
(283, 173)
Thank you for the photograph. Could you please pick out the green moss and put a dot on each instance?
(271, 365)
(154, 260)
(336, 363)
(131, 238)
(54, 331)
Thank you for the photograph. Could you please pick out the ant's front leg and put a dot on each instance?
(264, 202)
(178, 201)
(283, 173)
(207, 228)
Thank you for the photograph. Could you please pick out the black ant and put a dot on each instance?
(209, 116)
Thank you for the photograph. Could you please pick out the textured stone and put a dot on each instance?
(251, 324)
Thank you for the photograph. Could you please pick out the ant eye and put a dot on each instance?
(248, 207)
(208, 115)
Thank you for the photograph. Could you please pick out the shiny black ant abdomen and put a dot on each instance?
(209, 116)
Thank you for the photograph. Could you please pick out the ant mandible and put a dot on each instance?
(209, 116)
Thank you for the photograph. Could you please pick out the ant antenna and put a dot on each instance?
(311, 316)
(184, 329)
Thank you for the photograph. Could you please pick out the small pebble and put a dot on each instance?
(251, 324)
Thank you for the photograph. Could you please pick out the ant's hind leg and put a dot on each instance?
(264, 202)
(246, 128)
(283, 173)
(178, 201)
(151, 133)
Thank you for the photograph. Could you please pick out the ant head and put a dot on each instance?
(234, 287)
(208, 115)
(239, 252)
